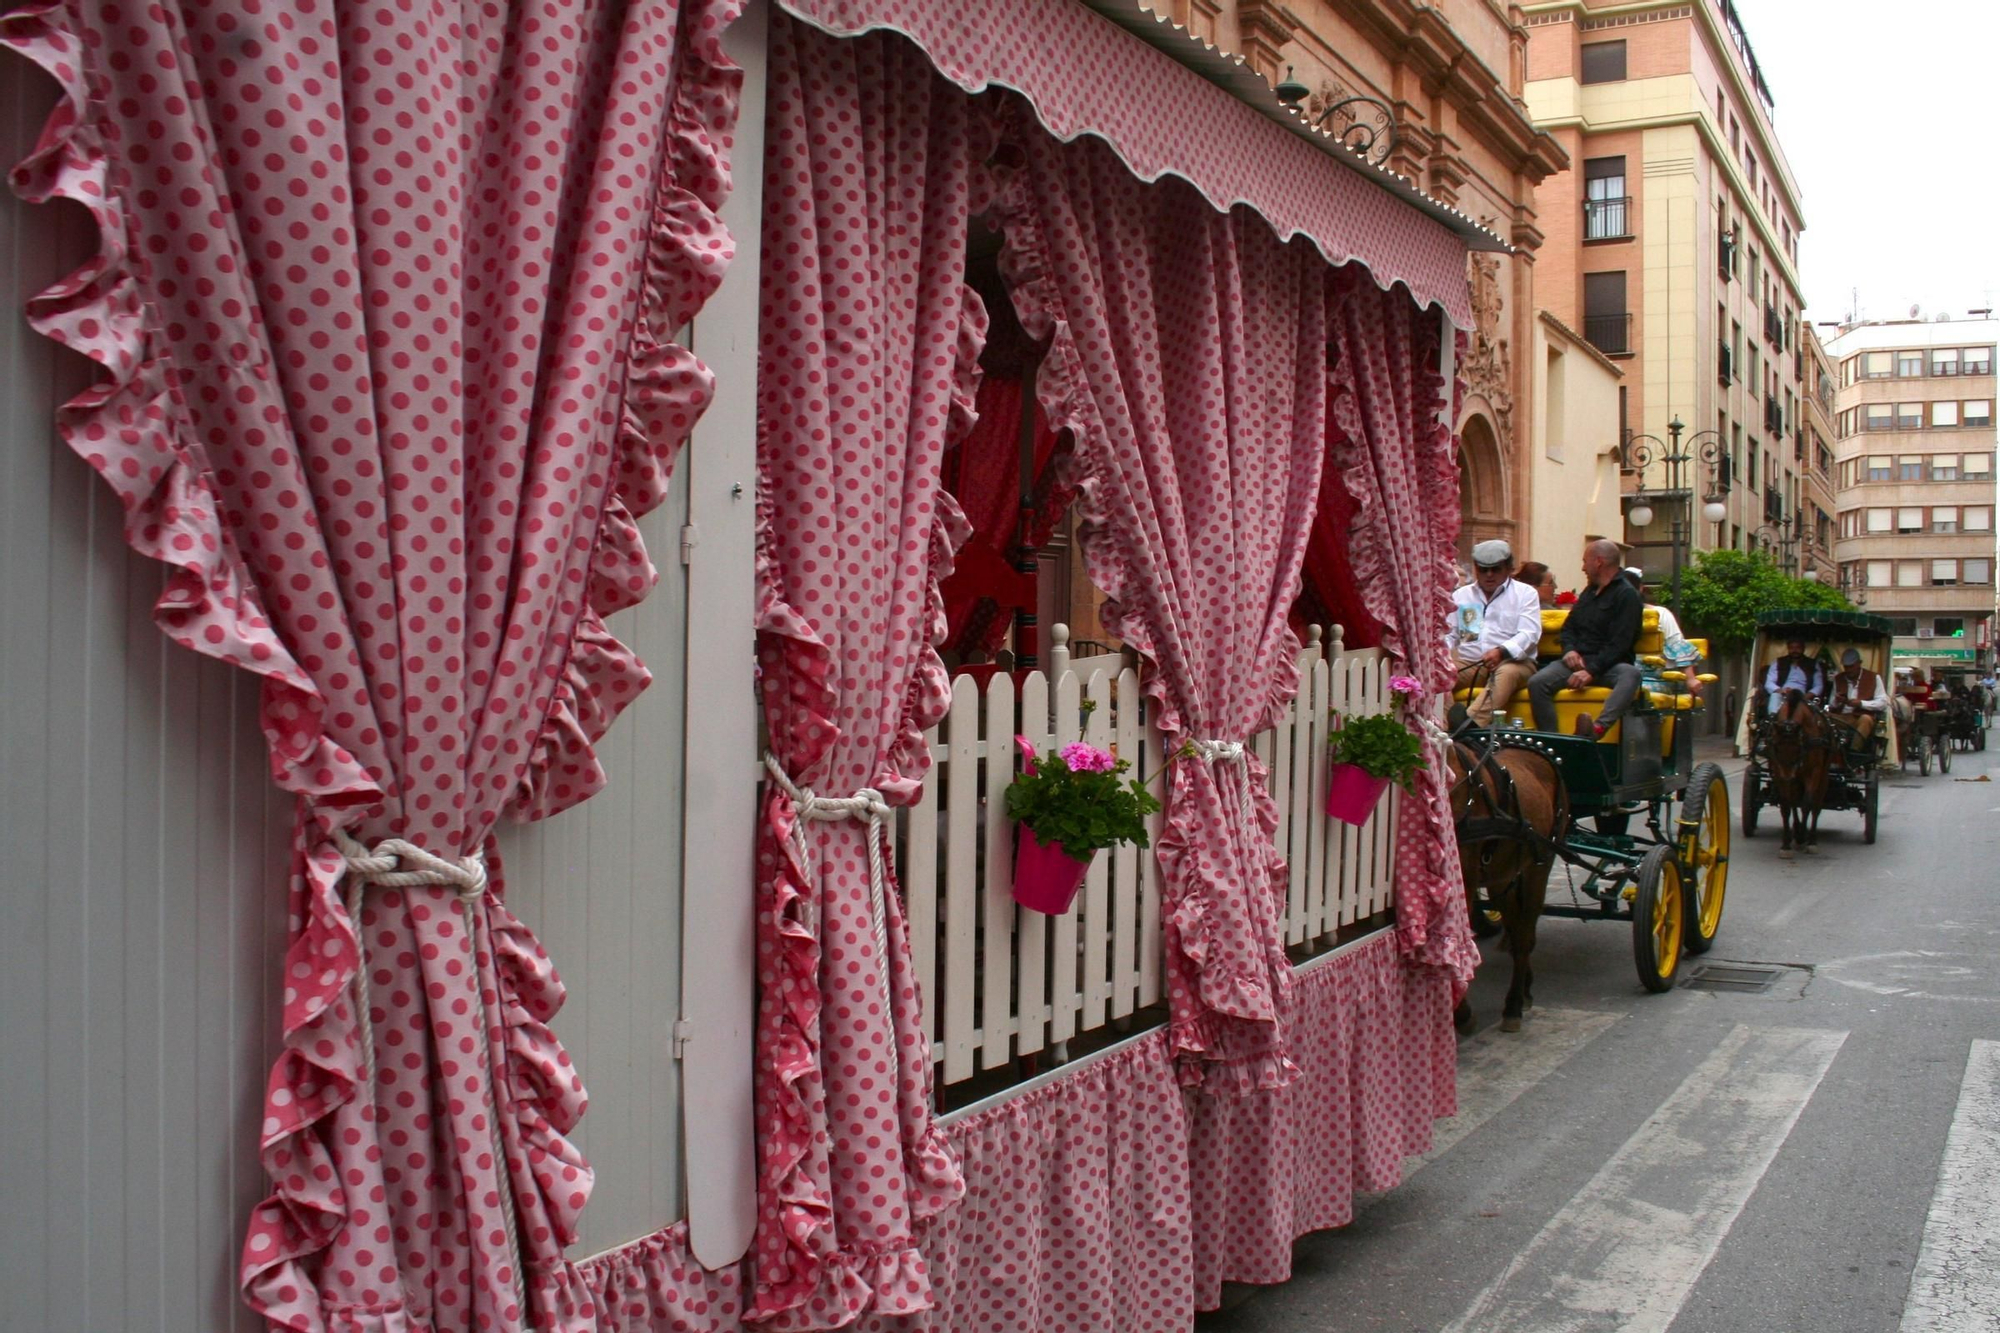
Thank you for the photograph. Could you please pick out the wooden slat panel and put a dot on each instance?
(1093, 925)
(919, 878)
(1154, 747)
(961, 889)
(1062, 954)
(1125, 860)
(1031, 1003)
(996, 1018)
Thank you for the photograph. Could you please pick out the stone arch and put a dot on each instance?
(1483, 508)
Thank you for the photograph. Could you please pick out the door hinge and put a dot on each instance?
(683, 1033)
(689, 537)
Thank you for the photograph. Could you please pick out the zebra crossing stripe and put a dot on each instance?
(1956, 1283)
(1496, 1068)
(1627, 1248)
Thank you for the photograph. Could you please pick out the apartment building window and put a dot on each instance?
(1735, 348)
(1909, 365)
(1881, 520)
(1947, 627)
(1944, 414)
(1910, 518)
(1603, 62)
(1944, 467)
(1906, 626)
(1979, 412)
(1976, 465)
(1909, 468)
(1976, 571)
(1909, 416)
(1877, 365)
(1909, 573)
(1978, 361)
(1751, 475)
(1878, 577)
(1944, 574)
(1944, 361)
(1880, 467)
(1979, 518)
(1605, 212)
(1877, 416)
(1607, 325)
(1944, 518)
(1754, 371)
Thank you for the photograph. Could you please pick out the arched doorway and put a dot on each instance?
(1482, 485)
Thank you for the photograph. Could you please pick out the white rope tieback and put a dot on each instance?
(396, 864)
(866, 804)
(1228, 752)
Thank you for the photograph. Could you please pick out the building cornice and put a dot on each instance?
(1773, 248)
(1760, 123)
(1419, 34)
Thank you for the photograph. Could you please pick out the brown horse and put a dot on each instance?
(1510, 810)
(1799, 747)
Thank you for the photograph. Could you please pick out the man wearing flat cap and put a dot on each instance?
(1495, 625)
(1859, 701)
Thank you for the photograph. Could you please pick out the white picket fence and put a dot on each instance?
(1001, 981)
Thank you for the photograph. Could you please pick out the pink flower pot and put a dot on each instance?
(1351, 793)
(1046, 877)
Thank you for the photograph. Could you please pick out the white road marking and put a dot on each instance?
(1786, 914)
(1496, 1067)
(1956, 1283)
(1627, 1248)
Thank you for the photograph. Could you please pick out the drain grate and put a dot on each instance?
(1743, 978)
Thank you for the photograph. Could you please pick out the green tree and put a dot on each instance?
(1724, 590)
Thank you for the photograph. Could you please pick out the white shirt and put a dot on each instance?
(1812, 681)
(1875, 702)
(1674, 646)
(1511, 620)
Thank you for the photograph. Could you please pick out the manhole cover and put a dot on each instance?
(1749, 978)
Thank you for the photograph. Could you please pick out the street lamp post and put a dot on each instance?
(1637, 453)
(1789, 541)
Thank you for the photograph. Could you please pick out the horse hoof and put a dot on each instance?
(1461, 1019)
(1510, 1025)
(1784, 853)
(1812, 849)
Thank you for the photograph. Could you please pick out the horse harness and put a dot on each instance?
(1494, 787)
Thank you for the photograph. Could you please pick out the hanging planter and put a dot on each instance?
(1070, 805)
(1368, 753)
(1047, 878)
(1351, 793)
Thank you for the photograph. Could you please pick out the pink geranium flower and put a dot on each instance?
(1408, 685)
(1082, 758)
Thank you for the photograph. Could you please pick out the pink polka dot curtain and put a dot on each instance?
(1187, 355)
(383, 301)
(1397, 459)
(869, 364)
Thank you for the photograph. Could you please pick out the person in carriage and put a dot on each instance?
(1495, 624)
(1793, 671)
(1859, 700)
(1598, 640)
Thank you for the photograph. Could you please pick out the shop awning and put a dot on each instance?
(1172, 105)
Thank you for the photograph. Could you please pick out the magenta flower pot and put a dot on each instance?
(1351, 793)
(1046, 877)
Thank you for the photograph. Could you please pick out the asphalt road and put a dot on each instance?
(1720, 1162)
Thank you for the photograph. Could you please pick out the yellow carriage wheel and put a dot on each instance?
(1658, 919)
(1704, 852)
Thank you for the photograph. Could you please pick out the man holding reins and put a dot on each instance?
(1496, 623)
(1859, 700)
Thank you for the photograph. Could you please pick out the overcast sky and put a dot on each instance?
(1887, 115)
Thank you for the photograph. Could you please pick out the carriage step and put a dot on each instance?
(1743, 978)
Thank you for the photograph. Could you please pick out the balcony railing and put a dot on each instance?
(1725, 256)
(1607, 219)
(1774, 416)
(1611, 334)
(1774, 505)
(1774, 328)
(1725, 365)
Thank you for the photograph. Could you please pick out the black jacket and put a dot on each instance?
(1603, 626)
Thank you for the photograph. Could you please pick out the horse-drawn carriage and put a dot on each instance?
(1849, 762)
(1667, 877)
(1964, 725)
